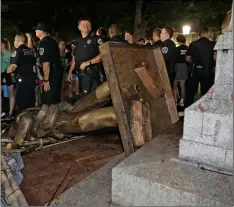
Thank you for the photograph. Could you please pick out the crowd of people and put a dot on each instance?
(50, 71)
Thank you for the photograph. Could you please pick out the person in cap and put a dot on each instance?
(49, 57)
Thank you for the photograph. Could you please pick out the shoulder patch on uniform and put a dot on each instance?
(14, 54)
(100, 41)
(88, 41)
(164, 50)
(41, 51)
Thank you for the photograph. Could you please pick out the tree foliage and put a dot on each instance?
(63, 15)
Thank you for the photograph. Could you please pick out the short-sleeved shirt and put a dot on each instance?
(181, 53)
(201, 51)
(5, 61)
(25, 60)
(49, 52)
(168, 49)
(86, 48)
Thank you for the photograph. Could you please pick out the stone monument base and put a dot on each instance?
(154, 176)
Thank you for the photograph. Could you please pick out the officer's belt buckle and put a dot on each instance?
(199, 66)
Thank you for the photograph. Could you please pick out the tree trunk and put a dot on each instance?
(140, 23)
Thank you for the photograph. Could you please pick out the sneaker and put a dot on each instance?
(9, 117)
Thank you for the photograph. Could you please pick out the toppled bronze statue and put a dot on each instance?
(49, 124)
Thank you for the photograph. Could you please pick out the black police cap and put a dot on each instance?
(42, 27)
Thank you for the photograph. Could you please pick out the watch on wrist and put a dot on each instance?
(45, 81)
(90, 62)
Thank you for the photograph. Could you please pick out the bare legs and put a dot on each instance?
(175, 91)
(11, 98)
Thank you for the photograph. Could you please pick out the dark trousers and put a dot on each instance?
(53, 95)
(199, 76)
(25, 94)
(89, 81)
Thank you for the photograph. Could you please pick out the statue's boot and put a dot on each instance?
(87, 122)
(96, 99)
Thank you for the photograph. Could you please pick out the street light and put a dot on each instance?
(186, 29)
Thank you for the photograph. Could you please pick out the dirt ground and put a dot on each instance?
(45, 169)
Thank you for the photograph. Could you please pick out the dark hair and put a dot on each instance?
(181, 38)
(203, 30)
(170, 31)
(62, 41)
(141, 39)
(68, 47)
(157, 31)
(129, 31)
(6, 43)
(102, 33)
(84, 19)
(72, 42)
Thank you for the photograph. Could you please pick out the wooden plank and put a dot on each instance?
(167, 86)
(119, 62)
(136, 123)
(117, 99)
(148, 82)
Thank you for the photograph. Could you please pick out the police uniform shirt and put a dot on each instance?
(117, 38)
(49, 51)
(25, 60)
(168, 49)
(158, 43)
(201, 52)
(181, 53)
(86, 48)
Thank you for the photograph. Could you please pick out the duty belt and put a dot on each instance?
(199, 66)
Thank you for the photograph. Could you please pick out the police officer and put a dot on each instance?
(200, 55)
(86, 58)
(156, 37)
(49, 57)
(23, 65)
(114, 34)
(168, 49)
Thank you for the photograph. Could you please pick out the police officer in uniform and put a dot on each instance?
(168, 49)
(49, 57)
(23, 65)
(200, 55)
(114, 34)
(156, 37)
(86, 58)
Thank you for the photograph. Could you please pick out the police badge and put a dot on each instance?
(41, 51)
(13, 54)
(100, 41)
(164, 50)
(88, 41)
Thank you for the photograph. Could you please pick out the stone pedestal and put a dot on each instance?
(208, 123)
(154, 176)
(186, 172)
